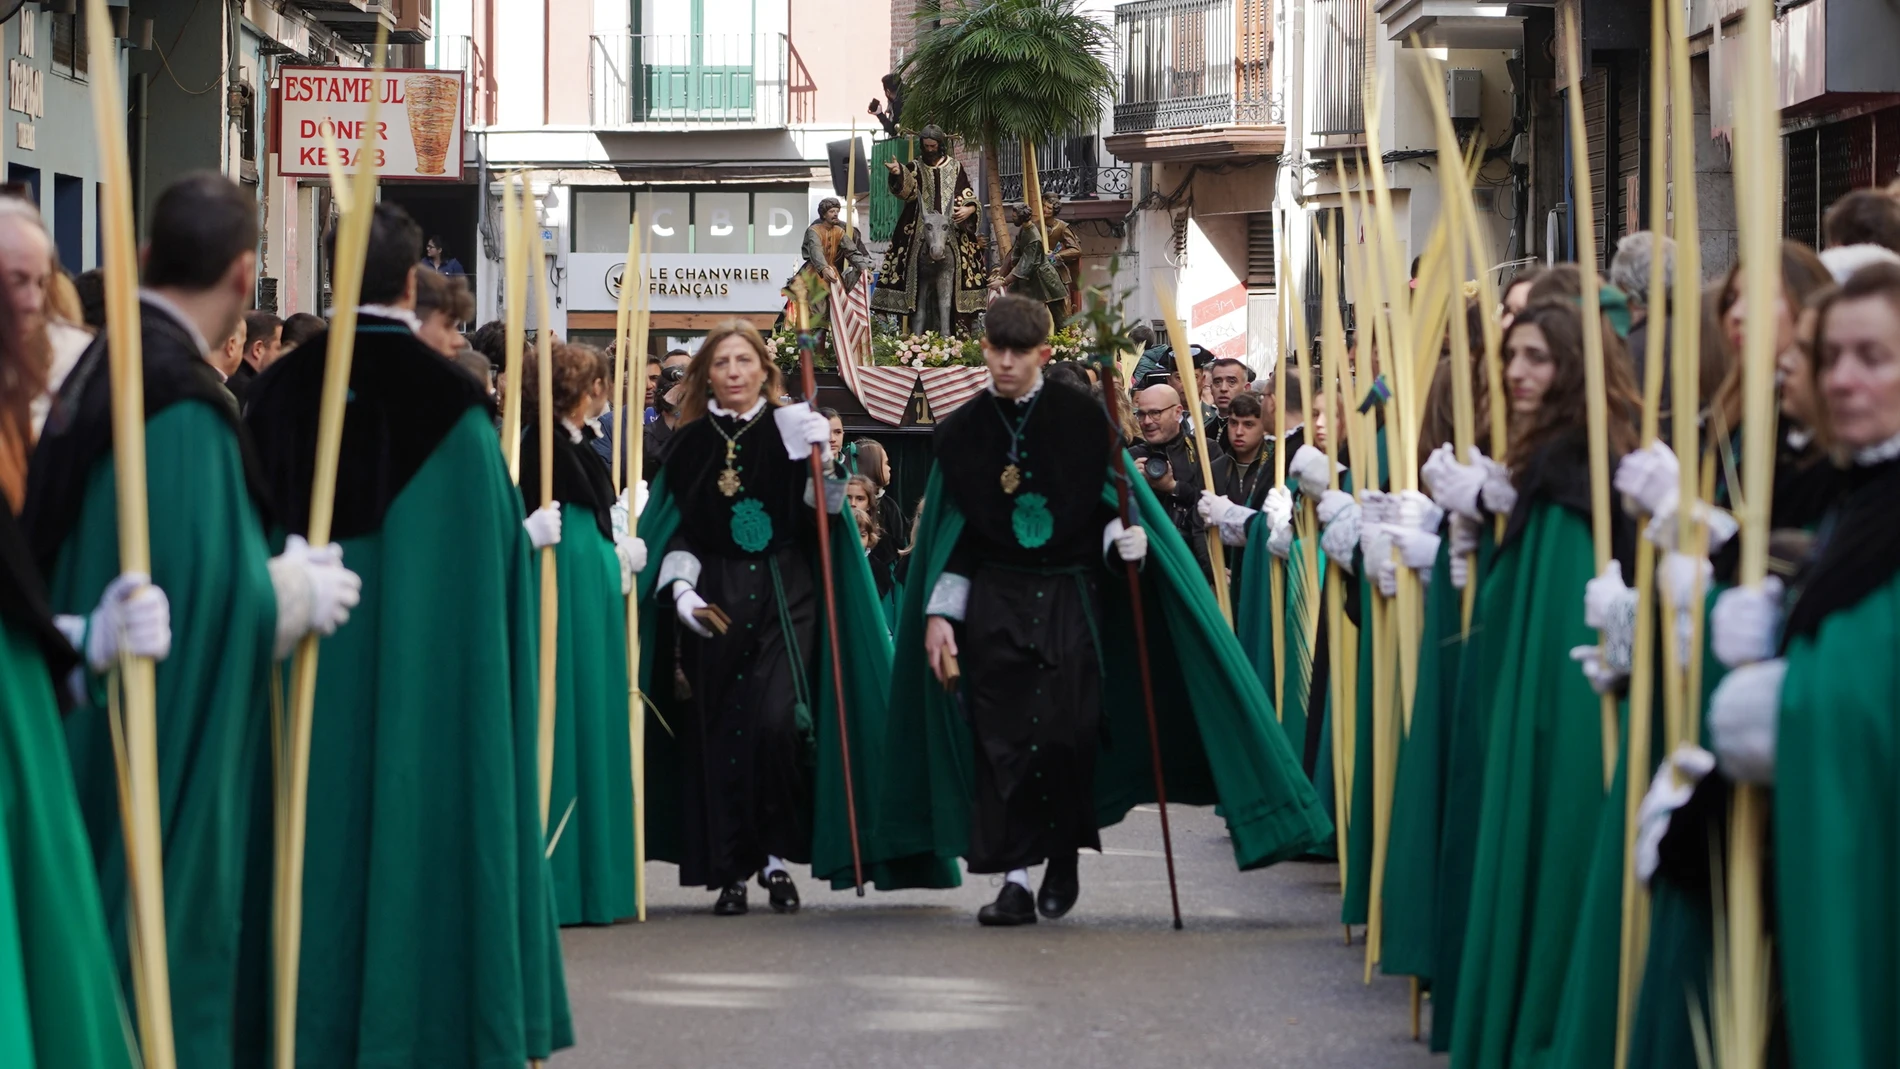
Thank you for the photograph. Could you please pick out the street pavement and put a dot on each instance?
(1260, 977)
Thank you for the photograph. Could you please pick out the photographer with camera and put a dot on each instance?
(666, 398)
(1167, 458)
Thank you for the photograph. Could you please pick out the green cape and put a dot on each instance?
(866, 659)
(1254, 626)
(1219, 741)
(592, 797)
(209, 556)
(1837, 842)
(59, 991)
(429, 935)
(1543, 792)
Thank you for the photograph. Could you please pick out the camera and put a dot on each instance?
(1155, 378)
(1155, 467)
(666, 391)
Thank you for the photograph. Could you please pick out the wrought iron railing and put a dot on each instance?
(691, 79)
(1194, 63)
(1072, 168)
(1342, 33)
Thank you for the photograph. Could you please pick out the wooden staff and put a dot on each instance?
(347, 288)
(1596, 404)
(1126, 510)
(1744, 989)
(550, 588)
(135, 729)
(1184, 365)
(1635, 928)
(515, 320)
(810, 382)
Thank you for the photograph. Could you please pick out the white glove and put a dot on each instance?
(1743, 624)
(1682, 579)
(544, 526)
(1649, 480)
(1455, 486)
(1309, 467)
(1278, 507)
(133, 617)
(1606, 597)
(1718, 525)
(1131, 543)
(1418, 550)
(633, 560)
(1375, 514)
(1332, 503)
(628, 506)
(1280, 543)
(1603, 678)
(1744, 716)
(315, 592)
(1499, 494)
(686, 601)
(1341, 536)
(800, 428)
(1464, 543)
(1415, 511)
(1675, 782)
(1231, 519)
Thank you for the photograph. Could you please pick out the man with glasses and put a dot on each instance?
(1168, 458)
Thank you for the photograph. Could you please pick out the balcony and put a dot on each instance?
(1341, 56)
(1072, 168)
(1456, 23)
(462, 53)
(407, 21)
(695, 81)
(1195, 83)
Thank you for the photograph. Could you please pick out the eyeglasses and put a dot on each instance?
(1149, 415)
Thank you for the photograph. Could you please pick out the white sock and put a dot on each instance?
(1019, 877)
(775, 864)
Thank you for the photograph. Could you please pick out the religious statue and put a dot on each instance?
(834, 255)
(1030, 271)
(1066, 250)
(934, 270)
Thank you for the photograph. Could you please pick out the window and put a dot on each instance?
(721, 221)
(69, 46)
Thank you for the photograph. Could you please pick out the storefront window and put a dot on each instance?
(668, 221)
(600, 220)
(779, 221)
(720, 222)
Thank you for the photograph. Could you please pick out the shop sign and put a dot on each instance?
(419, 121)
(684, 282)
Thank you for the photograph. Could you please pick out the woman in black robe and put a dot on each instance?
(746, 602)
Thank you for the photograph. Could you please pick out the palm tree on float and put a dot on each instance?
(1004, 71)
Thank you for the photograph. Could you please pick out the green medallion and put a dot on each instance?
(1032, 521)
(751, 525)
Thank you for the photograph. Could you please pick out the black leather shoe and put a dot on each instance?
(784, 893)
(1012, 907)
(1060, 886)
(731, 901)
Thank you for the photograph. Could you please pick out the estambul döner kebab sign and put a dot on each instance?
(419, 120)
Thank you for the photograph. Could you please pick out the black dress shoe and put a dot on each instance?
(1012, 907)
(784, 893)
(731, 901)
(1060, 886)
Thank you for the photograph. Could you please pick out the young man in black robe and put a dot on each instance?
(1017, 605)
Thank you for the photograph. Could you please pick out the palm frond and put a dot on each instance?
(1003, 70)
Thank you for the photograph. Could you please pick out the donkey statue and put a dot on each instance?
(936, 275)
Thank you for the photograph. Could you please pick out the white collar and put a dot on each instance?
(573, 431)
(162, 303)
(1879, 453)
(718, 410)
(1034, 388)
(389, 311)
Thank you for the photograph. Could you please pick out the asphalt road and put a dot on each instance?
(1260, 977)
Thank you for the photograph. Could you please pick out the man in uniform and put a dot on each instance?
(934, 183)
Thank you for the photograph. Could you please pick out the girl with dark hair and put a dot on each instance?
(591, 795)
(1543, 760)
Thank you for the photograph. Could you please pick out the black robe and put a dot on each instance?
(747, 780)
(1028, 642)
